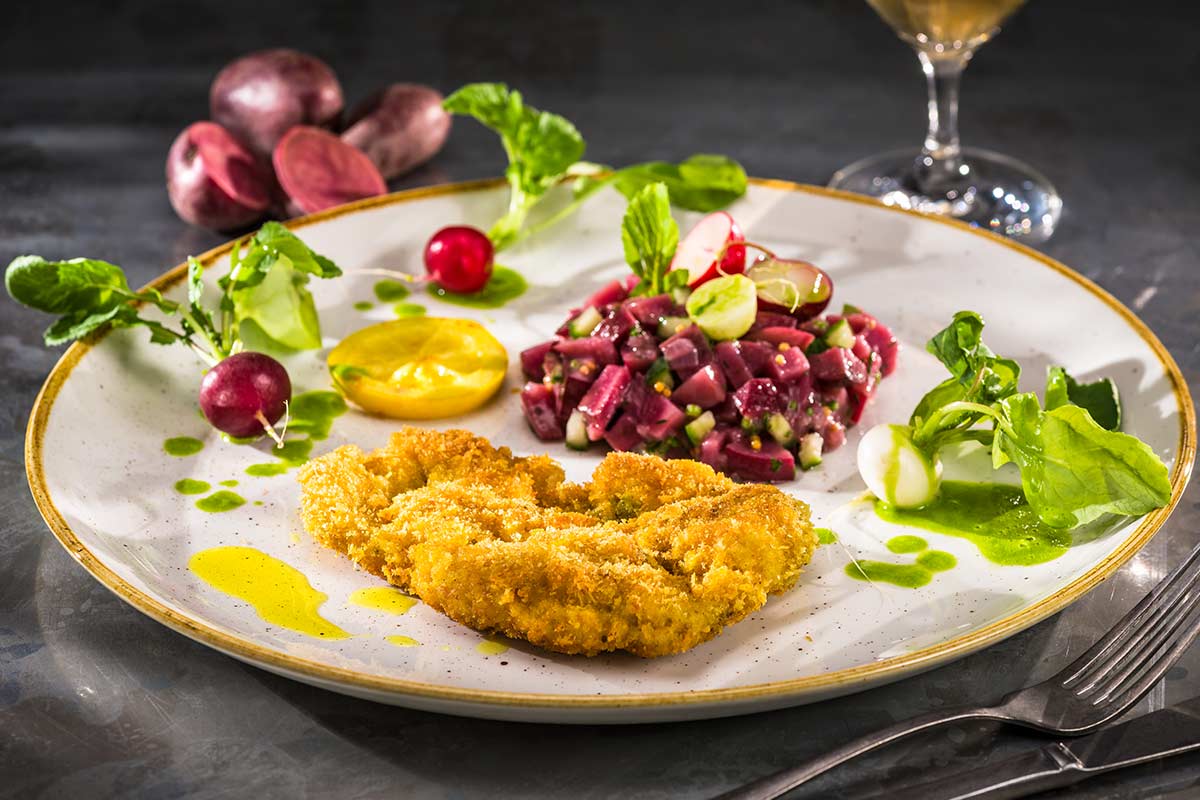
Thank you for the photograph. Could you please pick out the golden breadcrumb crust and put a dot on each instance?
(652, 557)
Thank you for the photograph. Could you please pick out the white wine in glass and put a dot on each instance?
(977, 186)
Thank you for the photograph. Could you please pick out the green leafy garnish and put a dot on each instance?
(262, 297)
(650, 235)
(541, 147)
(1100, 398)
(1075, 466)
(1072, 470)
(545, 149)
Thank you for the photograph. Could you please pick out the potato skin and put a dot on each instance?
(235, 198)
(399, 127)
(260, 96)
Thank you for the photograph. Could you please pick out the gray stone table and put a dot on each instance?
(98, 701)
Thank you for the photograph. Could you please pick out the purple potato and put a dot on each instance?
(214, 181)
(399, 127)
(260, 96)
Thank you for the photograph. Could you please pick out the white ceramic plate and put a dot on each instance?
(100, 476)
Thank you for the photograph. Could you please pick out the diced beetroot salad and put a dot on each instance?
(638, 374)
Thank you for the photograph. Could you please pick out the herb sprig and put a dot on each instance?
(545, 149)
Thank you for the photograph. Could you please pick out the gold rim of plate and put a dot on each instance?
(880, 670)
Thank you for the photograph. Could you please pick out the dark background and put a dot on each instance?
(97, 701)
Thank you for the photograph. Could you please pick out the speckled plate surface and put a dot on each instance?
(100, 475)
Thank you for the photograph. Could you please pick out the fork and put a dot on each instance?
(1100, 685)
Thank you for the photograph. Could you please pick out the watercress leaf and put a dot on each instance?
(281, 308)
(650, 235)
(1099, 398)
(702, 182)
(78, 286)
(1073, 471)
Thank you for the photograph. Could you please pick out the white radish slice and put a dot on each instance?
(698, 251)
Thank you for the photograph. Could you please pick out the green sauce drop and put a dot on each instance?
(994, 517)
(313, 413)
(192, 486)
(391, 291)
(181, 446)
(504, 285)
(825, 535)
(363, 305)
(403, 310)
(266, 470)
(230, 483)
(220, 501)
(294, 451)
(937, 560)
(908, 576)
(906, 544)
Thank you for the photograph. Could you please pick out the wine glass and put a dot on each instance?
(981, 187)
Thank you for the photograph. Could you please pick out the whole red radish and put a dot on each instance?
(213, 180)
(260, 96)
(399, 127)
(245, 395)
(704, 243)
(317, 170)
(459, 258)
(791, 286)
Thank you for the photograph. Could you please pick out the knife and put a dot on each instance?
(1159, 734)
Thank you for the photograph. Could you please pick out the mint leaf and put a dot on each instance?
(703, 182)
(650, 235)
(1072, 470)
(1099, 398)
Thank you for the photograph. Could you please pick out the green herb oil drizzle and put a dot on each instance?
(504, 285)
(994, 517)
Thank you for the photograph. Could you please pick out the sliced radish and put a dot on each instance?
(318, 170)
(698, 251)
(791, 286)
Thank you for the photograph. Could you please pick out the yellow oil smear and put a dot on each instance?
(277, 591)
(490, 647)
(383, 598)
(403, 641)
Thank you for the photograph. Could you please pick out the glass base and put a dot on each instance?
(994, 191)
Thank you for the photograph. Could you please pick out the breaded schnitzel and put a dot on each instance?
(652, 556)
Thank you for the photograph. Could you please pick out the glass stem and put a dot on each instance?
(939, 167)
